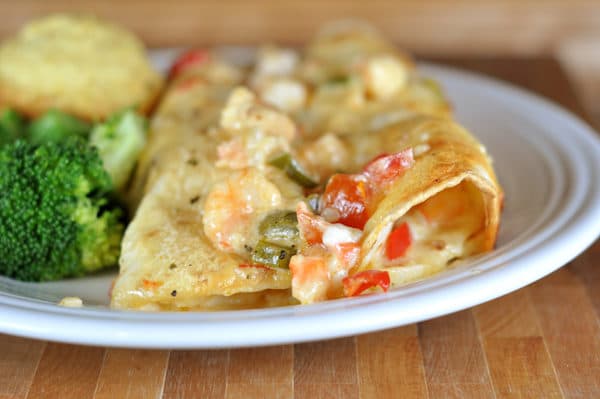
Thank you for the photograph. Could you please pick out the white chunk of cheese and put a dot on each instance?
(285, 94)
(385, 75)
(338, 234)
(276, 62)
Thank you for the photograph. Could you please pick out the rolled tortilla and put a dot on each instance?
(172, 254)
(167, 262)
(427, 195)
(450, 197)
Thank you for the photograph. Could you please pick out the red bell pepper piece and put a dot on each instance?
(356, 284)
(311, 226)
(398, 242)
(349, 195)
(187, 59)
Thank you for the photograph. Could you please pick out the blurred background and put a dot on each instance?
(566, 29)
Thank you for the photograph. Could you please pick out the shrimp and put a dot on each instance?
(244, 112)
(250, 149)
(234, 207)
(310, 280)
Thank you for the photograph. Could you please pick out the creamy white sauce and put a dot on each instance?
(338, 234)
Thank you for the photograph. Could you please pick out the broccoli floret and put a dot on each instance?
(12, 126)
(56, 219)
(120, 141)
(55, 126)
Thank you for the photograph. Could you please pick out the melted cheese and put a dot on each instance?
(441, 228)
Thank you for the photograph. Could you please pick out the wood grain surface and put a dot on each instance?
(491, 27)
(542, 341)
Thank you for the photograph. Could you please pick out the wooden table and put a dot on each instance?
(542, 341)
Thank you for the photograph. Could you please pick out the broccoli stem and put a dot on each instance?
(120, 140)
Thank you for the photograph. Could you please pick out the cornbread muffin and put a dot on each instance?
(78, 64)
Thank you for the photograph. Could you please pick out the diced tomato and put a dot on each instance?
(310, 225)
(377, 158)
(386, 168)
(348, 194)
(398, 242)
(187, 59)
(358, 283)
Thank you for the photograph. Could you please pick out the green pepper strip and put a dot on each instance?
(280, 228)
(293, 169)
(279, 236)
(266, 253)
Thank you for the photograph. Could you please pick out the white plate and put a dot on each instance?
(548, 162)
